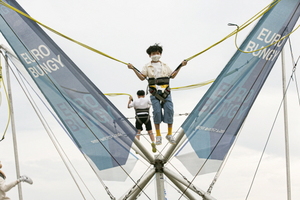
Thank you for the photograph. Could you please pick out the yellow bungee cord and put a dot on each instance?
(60, 34)
(235, 32)
(243, 26)
(247, 23)
(8, 102)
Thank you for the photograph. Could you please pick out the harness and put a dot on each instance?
(162, 82)
(143, 116)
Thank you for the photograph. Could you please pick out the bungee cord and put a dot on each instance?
(49, 131)
(294, 69)
(243, 26)
(88, 127)
(115, 94)
(7, 100)
(187, 87)
(60, 34)
(276, 42)
(247, 23)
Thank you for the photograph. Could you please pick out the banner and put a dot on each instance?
(95, 125)
(214, 123)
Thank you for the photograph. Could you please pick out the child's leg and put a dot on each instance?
(138, 134)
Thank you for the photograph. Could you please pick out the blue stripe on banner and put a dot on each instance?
(213, 124)
(98, 129)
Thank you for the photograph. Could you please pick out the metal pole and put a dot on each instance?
(13, 128)
(175, 178)
(136, 189)
(138, 147)
(180, 138)
(160, 187)
(287, 153)
(180, 186)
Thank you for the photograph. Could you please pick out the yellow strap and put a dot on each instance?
(116, 94)
(161, 86)
(247, 23)
(8, 103)
(282, 38)
(60, 34)
(0, 74)
(193, 86)
(175, 88)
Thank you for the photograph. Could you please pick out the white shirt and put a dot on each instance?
(149, 70)
(157, 70)
(141, 103)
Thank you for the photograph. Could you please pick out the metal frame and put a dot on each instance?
(159, 170)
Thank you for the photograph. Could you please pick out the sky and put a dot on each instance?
(124, 29)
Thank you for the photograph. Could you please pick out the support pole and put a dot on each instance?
(13, 128)
(142, 151)
(174, 177)
(287, 151)
(160, 187)
(186, 193)
(179, 140)
(136, 189)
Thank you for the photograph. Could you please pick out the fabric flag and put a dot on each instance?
(95, 125)
(212, 126)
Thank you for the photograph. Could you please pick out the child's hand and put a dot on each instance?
(130, 66)
(184, 63)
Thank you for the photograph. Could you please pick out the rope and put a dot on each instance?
(294, 70)
(116, 94)
(88, 127)
(60, 34)
(270, 133)
(8, 102)
(187, 87)
(247, 23)
(282, 38)
(1, 80)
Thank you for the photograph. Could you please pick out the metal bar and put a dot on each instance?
(137, 188)
(13, 128)
(139, 148)
(286, 131)
(186, 193)
(172, 176)
(179, 140)
(160, 187)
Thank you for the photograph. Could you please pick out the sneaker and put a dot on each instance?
(171, 139)
(26, 179)
(153, 147)
(158, 140)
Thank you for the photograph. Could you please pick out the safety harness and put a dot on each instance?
(142, 116)
(163, 82)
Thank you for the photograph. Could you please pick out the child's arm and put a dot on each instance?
(129, 102)
(137, 72)
(173, 75)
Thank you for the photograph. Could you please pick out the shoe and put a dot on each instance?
(26, 179)
(153, 147)
(158, 140)
(171, 139)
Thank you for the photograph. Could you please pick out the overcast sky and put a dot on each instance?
(124, 29)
